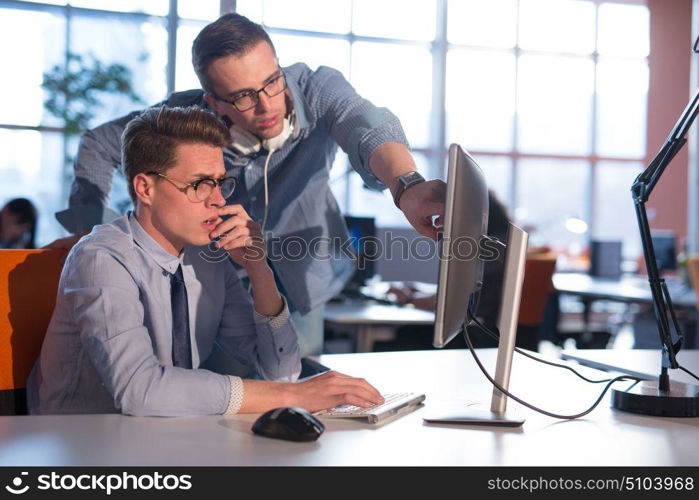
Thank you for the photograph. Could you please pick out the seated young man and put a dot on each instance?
(142, 300)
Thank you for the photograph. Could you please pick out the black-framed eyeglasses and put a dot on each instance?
(203, 188)
(249, 99)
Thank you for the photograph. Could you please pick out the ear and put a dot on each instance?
(212, 102)
(143, 186)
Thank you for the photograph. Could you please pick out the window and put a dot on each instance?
(545, 94)
(130, 32)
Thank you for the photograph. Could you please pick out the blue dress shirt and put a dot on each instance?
(108, 347)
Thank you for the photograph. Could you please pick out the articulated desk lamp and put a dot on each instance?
(661, 397)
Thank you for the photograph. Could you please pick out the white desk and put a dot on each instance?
(604, 437)
(374, 321)
(644, 363)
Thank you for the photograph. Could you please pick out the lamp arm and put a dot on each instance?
(641, 189)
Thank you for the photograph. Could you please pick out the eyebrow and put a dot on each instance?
(201, 176)
(271, 77)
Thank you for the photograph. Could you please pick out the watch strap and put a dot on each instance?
(404, 182)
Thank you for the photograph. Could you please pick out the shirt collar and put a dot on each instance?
(299, 103)
(168, 262)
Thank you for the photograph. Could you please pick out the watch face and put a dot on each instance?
(409, 177)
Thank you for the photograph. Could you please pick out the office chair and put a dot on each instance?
(693, 273)
(28, 287)
(536, 288)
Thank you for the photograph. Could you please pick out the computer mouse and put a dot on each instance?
(290, 423)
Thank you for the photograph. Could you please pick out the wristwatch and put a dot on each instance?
(404, 182)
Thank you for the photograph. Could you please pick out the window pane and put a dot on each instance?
(340, 173)
(622, 97)
(480, 99)
(313, 51)
(498, 175)
(615, 217)
(475, 22)
(32, 167)
(554, 104)
(311, 15)
(398, 77)
(142, 48)
(207, 10)
(42, 38)
(365, 202)
(624, 30)
(549, 193)
(52, 2)
(404, 19)
(185, 78)
(157, 7)
(252, 9)
(557, 26)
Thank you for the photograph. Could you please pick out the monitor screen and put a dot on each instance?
(665, 250)
(461, 247)
(464, 248)
(362, 232)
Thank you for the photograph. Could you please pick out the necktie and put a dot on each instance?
(181, 344)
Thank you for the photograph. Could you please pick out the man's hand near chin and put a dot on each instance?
(242, 238)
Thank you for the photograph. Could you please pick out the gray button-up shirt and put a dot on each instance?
(307, 247)
(108, 347)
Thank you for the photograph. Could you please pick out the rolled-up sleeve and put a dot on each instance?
(355, 123)
(267, 343)
(110, 318)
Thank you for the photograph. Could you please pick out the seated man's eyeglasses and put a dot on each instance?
(248, 99)
(203, 188)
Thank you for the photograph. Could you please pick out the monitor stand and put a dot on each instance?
(498, 415)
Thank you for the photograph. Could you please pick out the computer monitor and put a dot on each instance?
(605, 259)
(664, 245)
(464, 248)
(362, 232)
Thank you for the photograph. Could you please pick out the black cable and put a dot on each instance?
(529, 405)
(687, 371)
(496, 337)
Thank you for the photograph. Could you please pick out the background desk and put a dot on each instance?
(372, 322)
(629, 289)
(604, 437)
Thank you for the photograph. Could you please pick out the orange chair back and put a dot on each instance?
(28, 286)
(537, 285)
(693, 272)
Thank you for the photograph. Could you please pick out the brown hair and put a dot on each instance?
(229, 35)
(149, 141)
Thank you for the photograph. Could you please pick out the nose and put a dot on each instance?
(263, 102)
(216, 198)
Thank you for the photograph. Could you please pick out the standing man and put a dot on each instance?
(285, 126)
(140, 305)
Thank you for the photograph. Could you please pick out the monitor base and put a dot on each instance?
(682, 400)
(475, 415)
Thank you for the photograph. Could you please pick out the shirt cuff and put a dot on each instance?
(274, 321)
(236, 397)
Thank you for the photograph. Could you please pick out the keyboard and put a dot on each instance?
(394, 404)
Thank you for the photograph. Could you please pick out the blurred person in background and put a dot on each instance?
(18, 224)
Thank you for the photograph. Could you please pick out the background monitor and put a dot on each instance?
(605, 259)
(665, 247)
(362, 231)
